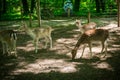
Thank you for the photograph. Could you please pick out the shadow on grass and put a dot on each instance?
(86, 69)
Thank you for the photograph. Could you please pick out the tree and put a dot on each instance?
(38, 12)
(77, 5)
(32, 5)
(118, 4)
(3, 6)
(25, 7)
(100, 5)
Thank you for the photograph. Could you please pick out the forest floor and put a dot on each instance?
(56, 63)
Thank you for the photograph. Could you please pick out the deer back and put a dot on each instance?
(95, 35)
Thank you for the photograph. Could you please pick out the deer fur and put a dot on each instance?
(83, 28)
(8, 39)
(39, 33)
(90, 36)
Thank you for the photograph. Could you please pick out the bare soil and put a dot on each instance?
(56, 63)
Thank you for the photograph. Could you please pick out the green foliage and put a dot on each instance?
(14, 8)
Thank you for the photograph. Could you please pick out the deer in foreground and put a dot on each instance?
(39, 33)
(83, 28)
(90, 36)
(8, 39)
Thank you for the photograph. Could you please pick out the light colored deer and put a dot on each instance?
(83, 28)
(90, 36)
(8, 39)
(39, 33)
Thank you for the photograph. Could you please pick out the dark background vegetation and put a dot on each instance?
(11, 9)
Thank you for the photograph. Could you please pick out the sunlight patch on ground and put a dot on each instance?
(59, 22)
(46, 66)
(103, 65)
(65, 41)
(109, 26)
(26, 48)
(29, 47)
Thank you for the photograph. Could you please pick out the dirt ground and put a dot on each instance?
(56, 63)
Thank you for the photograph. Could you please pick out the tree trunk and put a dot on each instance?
(30, 19)
(89, 16)
(77, 5)
(21, 10)
(32, 6)
(38, 12)
(3, 6)
(68, 12)
(118, 4)
(97, 2)
(25, 7)
(103, 5)
(63, 2)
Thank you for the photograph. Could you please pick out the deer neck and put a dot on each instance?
(79, 42)
(80, 27)
(30, 32)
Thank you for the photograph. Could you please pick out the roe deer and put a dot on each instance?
(83, 28)
(39, 33)
(90, 36)
(8, 39)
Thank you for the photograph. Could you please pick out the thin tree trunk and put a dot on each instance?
(30, 19)
(97, 6)
(118, 3)
(103, 5)
(32, 6)
(77, 5)
(25, 7)
(89, 16)
(4, 7)
(21, 10)
(1, 8)
(38, 13)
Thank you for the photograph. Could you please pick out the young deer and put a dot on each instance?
(83, 28)
(39, 33)
(90, 36)
(8, 39)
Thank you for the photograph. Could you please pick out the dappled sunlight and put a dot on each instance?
(65, 41)
(46, 66)
(62, 22)
(57, 61)
(26, 48)
(109, 26)
(29, 46)
(103, 65)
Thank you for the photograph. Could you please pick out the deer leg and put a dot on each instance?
(3, 47)
(36, 45)
(102, 47)
(46, 42)
(8, 49)
(90, 48)
(14, 47)
(83, 50)
(105, 48)
(50, 40)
